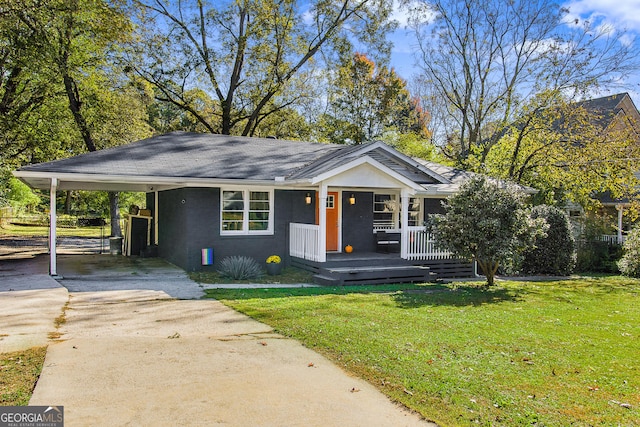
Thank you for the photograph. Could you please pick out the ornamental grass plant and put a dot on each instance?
(240, 268)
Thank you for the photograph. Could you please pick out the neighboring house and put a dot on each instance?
(258, 197)
(614, 113)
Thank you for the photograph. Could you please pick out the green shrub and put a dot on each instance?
(629, 264)
(593, 254)
(554, 253)
(240, 268)
(488, 222)
(598, 257)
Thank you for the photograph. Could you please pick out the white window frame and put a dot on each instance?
(246, 192)
(420, 210)
(396, 213)
(394, 198)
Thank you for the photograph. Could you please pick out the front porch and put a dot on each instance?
(413, 257)
(306, 242)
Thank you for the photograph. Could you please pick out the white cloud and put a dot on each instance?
(411, 10)
(621, 14)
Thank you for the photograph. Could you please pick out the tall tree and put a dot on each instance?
(25, 83)
(366, 100)
(485, 58)
(76, 39)
(568, 151)
(246, 53)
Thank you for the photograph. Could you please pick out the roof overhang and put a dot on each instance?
(451, 189)
(99, 182)
(440, 190)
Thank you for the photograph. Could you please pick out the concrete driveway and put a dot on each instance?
(130, 353)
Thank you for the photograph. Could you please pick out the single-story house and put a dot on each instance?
(258, 197)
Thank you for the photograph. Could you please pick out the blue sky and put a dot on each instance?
(619, 14)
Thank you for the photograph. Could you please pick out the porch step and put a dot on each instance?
(338, 276)
(387, 266)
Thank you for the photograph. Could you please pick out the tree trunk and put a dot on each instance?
(489, 268)
(490, 278)
(75, 105)
(116, 230)
(67, 203)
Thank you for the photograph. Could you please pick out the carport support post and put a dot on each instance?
(53, 267)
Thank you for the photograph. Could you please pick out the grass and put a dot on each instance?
(521, 353)
(43, 231)
(19, 372)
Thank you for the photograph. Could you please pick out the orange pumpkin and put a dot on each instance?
(348, 249)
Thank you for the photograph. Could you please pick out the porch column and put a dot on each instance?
(155, 217)
(404, 231)
(53, 265)
(620, 209)
(322, 222)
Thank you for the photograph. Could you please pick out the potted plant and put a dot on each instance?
(274, 265)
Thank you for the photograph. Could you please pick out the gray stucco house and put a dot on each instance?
(259, 197)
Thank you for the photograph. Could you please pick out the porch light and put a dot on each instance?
(352, 199)
(307, 199)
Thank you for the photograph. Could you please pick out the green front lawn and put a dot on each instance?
(522, 353)
(14, 230)
(19, 372)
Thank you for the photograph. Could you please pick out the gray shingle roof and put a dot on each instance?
(456, 176)
(195, 155)
(603, 109)
(183, 155)
(383, 156)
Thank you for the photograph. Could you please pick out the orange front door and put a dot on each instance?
(333, 222)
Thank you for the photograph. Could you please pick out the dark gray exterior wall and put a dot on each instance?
(357, 222)
(189, 220)
(186, 224)
(432, 206)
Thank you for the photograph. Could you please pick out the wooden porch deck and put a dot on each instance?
(376, 268)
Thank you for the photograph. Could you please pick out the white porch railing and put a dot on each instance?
(304, 241)
(420, 245)
(612, 239)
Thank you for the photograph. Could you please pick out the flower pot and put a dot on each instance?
(274, 269)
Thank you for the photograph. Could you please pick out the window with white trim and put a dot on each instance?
(387, 212)
(246, 212)
(415, 212)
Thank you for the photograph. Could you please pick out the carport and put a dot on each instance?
(58, 181)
